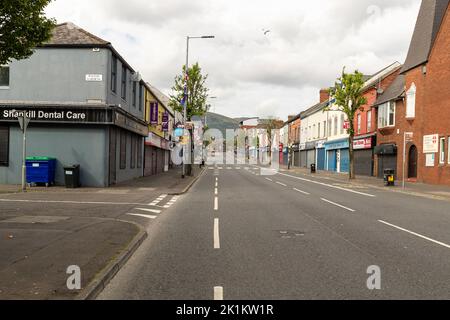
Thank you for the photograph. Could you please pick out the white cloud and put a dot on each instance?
(252, 74)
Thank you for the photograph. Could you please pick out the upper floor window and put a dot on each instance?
(411, 102)
(141, 97)
(123, 88)
(324, 128)
(4, 76)
(342, 123)
(335, 126)
(386, 115)
(133, 98)
(4, 146)
(114, 74)
(359, 123)
(369, 121)
(318, 130)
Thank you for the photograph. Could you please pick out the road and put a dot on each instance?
(240, 234)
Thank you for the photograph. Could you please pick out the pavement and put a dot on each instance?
(46, 230)
(242, 233)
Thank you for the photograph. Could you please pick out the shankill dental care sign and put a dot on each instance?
(44, 115)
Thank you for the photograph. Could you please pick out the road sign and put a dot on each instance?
(409, 136)
(24, 122)
(347, 125)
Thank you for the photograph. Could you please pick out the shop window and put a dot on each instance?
(442, 150)
(123, 88)
(123, 149)
(411, 102)
(386, 115)
(139, 152)
(114, 74)
(4, 146)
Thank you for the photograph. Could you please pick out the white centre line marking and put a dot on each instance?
(216, 234)
(268, 179)
(218, 293)
(281, 184)
(216, 191)
(301, 191)
(216, 203)
(415, 234)
(142, 215)
(337, 205)
(149, 210)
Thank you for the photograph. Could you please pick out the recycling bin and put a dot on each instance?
(389, 177)
(40, 170)
(72, 176)
(313, 168)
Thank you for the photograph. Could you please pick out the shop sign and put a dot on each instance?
(154, 113)
(55, 114)
(431, 143)
(362, 144)
(94, 77)
(165, 122)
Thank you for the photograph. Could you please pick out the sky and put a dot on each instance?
(251, 73)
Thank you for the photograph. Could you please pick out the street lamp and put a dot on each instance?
(187, 94)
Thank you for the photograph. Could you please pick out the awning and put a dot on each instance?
(386, 149)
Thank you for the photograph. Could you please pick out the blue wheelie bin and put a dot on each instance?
(41, 170)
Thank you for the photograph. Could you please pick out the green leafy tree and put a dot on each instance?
(197, 92)
(23, 26)
(348, 92)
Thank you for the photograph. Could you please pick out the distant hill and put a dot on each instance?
(220, 122)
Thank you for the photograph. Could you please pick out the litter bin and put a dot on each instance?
(313, 168)
(40, 170)
(72, 176)
(389, 177)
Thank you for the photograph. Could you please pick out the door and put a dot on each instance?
(303, 158)
(386, 162)
(412, 162)
(345, 160)
(310, 158)
(320, 159)
(364, 162)
(331, 160)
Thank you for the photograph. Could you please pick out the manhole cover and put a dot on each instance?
(34, 220)
(290, 234)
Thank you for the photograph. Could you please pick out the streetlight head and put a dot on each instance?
(208, 37)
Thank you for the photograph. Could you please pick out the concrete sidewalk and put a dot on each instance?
(439, 192)
(39, 242)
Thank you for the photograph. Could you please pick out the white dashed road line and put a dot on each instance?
(218, 293)
(148, 210)
(158, 200)
(216, 234)
(171, 202)
(337, 205)
(301, 191)
(216, 203)
(142, 215)
(415, 234)
(281, 184)
(268, 179)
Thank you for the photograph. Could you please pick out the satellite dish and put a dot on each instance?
(380, 91)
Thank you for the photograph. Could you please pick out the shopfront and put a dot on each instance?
(387, 158)
(320, 152)
(337, 155)
(105, 141)
(364, 155)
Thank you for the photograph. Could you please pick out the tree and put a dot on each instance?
(23, 26)
(197, 92)
(270, 125)
(197, 96)
(348, 93)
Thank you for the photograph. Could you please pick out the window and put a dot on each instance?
(4, 146)
(123, 88)
(133, 98)
(359, 123)
(314, 130)
(324, 128)
(318, 130)
(442, 150)
(139, 152)
(386, 115)
(342, 123)
(369, 121)
(114, 74)
(411, 102)
(329, 127)
(448, 151)
(4, 76)
(141, 95)
(123, 149)
(335, 126)
(133, 152)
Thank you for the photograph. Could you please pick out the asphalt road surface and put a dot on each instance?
(240, 234)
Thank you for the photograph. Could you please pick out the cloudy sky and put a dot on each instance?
(252, 74)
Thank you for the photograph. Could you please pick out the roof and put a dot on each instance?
(428, 23)
(67, 33)
(393, 92)
(383, 73)
(315, 108)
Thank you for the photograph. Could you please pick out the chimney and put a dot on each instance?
(324, 95)
(290, 118)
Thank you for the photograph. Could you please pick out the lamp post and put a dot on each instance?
(187, 94)
(24, 120)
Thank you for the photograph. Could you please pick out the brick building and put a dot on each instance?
(422, 106)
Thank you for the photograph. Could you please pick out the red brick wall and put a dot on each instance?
(294, 131)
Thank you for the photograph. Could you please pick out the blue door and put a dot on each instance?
(345, 160)
(320, 159)
(332, 160)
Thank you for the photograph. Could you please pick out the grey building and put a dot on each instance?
(86, 106)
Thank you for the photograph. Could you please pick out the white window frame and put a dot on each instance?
(359, 122)
(442, 150)
(384, 115)
(9, 78)
(411, 101)
(369, 120)
(448, 149)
